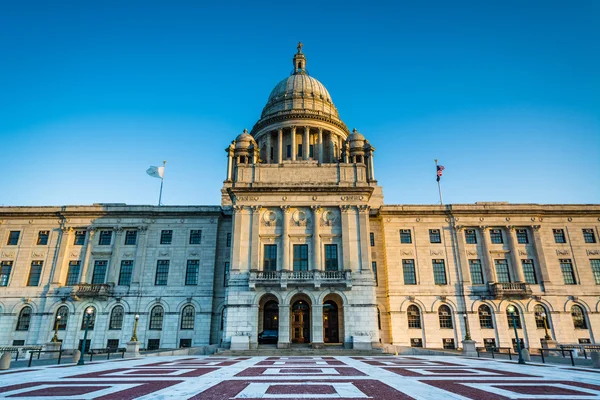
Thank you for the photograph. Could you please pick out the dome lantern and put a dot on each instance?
(299, 61)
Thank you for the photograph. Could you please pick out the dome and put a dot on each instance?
(244, 140)
(299, 84)
(356, 136)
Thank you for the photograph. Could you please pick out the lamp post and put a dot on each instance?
(545, 318)
(88, 315)
(467, 332)
(511, 311)
(135, 324)
(55, 337)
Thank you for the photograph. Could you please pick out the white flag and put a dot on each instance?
(156, 172)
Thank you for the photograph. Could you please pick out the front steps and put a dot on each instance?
(299, 351)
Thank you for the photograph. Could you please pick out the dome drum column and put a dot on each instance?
(294, 147)
(280, 146)
(320, 146)
(305, 143)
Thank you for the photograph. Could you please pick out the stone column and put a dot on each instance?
(331, 147)
(514, 254)
(316, 242)
(229, 151)
(235, 238)
(317, 326)
(284, 327)
(280, 146)
(112, 264)
(540, 256)
(306, 143)
(85, 260)
(285, 240)
(462, 256)
(268, 155)
(320, 146)
(346, 262)
(140, 255)
(363, 218)
(254, 241)
(488, 264)
(294, 149)
(371, 165)
(66, 238)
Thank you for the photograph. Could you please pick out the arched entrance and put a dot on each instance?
(330, 322)
(268, 320)
(300, 321)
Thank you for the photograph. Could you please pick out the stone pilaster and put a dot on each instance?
(462, 256)
(140, 255)
(85, 260)
(316, 240)
(346, 259)
(112, 264)
(66, 241)
(255, 238)
(284, 326)
(488, 264)
(540, 256)
(514, 254)
(285, 241)
(317, 325)
(363, 220)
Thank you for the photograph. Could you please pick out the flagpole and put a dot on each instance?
(162, 178)
(438, 182)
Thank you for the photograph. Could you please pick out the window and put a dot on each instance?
(5, 268)
(559, 236)
(588, 236)
(434, 236)
(187, 317)
(445, 317)
(578, 317)
(439, 272)
(372, 239)
(476, 272)
(596, 270)
(162, 272)
(105, 238)
(79, 238)
(299, 153)
(470, 236)
(42, 239)
(517, 318)
(112, 344)
(514, 344)
(156, 318)
(99, 274)
(166, 237)
(63, 313)
(416, 342)
(289, 151)
(485, 317)
(86, 348)
(540, 314)
(125, 272)
(35, 273)
(195, 236)
(18, 343)
(130, 238)
(73, 273)
(92, 318)
(24, 319)
(228, 241)
(300, 257)
(529, 271)
(116, 318)
(502, 273)
(311, 151)
(405, 236)
(191, 272)
(13, 238)
(153, 344)
(331, 257)
(183, 343)
(408, 269)
(270, 257)
(568, 273)
(496, 236)
(522, 236)
(489, 343)
(449, 344)
(414, 317)
(226, 273)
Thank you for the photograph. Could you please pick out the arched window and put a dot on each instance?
(485, 317)
(540, 313)
(445, 317)
(578, 317)
(24, 319)
(63, 313)
(517, 318)
(378, 318)
(187, 317)
(156, 318)
(414, 317)
(92, 318)
(116, 318)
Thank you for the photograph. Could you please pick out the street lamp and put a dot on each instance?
(55, 337)
(511, 310)
(134, 336)
(88, 315)
(467, 332)
(545, 318)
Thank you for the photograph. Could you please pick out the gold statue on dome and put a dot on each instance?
(300, 45)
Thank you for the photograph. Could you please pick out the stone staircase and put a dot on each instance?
(299, 351)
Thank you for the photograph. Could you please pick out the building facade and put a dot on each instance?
(302, 245)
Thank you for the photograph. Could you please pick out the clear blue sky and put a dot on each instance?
(506, 94)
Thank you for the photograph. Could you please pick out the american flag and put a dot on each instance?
(440, 168)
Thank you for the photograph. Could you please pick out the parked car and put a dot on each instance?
(268, 336)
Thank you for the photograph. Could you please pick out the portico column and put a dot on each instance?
(514, 256)
(280, 146)
(86, 258)
(316, 242)
(112, 264)
(320, 146)
(305, 143)
(285, 240)
(283, 342)
(539, 252)
(254, 241)
(294, 147)
(487, 259)
(462, 257)
(268, 155)
(317, 325)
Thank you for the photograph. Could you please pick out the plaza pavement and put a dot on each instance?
(316, 378)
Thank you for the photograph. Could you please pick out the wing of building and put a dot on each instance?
(301, 250)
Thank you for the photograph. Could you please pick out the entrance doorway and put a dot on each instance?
(330, 322)
(271, 316)
(268, 320)
(300, 322)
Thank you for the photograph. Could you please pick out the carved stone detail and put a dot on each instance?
(593, 252)
(436, 252)
(406, 252)
(562, 252)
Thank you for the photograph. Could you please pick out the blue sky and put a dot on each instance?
(506, 94)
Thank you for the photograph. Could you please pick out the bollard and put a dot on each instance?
(525, 354)
(76, 356)
(5, 361)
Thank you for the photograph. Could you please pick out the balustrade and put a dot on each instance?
(299, 278)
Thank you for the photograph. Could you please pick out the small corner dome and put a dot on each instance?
(244, 140)
(356, 136)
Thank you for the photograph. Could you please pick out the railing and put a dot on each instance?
(91, 290)
(311, 278)
(545, 354)
(19, 349)
(515, 289)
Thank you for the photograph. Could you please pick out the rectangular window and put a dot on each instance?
(125, 272)
(191, 272)
(559, 236)
(289, 151)
(195, 236)
(299, 153)
(112, 344)
(99, 274)
(449, 344)
(35, 273)
(130, 238)
(489, 342)
(405, 236)
(228, 241)
(588, 236)
(226, 274)
(502, 273)
(416, 342)
(183, 343)
(79, 238)
(596, 270)
(521, 342)
(162, 273)
(270, 257)
(153, 344)
(496, 236)
(311, 151)
(13, 238)
(434, 236)
(470, 236)
(372, 239)
(331, 257)
(522, 236)
(19, 343)
(374, 268)
(476, 272)
(439, 272)
(42, 239)
(73, 273)
(300, 257)
(105, 238)
(166, 237)
(5, 268)
(566, 266)
(408, 269)
(529, 271)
